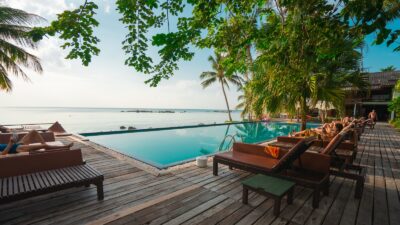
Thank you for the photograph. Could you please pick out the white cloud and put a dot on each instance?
(107, 6)
(51, 55)
(44, 8)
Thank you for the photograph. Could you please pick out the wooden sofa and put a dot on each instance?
(305, 168)
(25, 176)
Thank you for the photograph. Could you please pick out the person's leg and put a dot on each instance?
(8, 147)
(32, 137)
(29, 148)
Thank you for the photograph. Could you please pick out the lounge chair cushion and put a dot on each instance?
(261, 162)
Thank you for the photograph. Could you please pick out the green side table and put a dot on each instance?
(272, 187)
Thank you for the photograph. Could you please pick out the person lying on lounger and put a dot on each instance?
(23, 145)
(326, 132)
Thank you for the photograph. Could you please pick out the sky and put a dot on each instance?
(107, 82)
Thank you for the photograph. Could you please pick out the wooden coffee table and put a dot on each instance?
(273, 187)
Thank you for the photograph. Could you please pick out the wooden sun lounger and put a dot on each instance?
(304, 168)
(342, 153)
(36, 174)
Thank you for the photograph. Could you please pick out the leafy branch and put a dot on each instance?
(76, 29)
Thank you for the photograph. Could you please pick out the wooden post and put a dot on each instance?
(100, 192)
(290, 196)
(277, 206)
(215, 167)
(245, 195)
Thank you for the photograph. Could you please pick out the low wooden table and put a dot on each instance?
(269, 186)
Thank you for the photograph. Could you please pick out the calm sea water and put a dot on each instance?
(106, 119)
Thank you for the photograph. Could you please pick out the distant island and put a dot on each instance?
(221, 111)
(149, 111)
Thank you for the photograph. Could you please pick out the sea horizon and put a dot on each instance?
(96, 119)
(111, 107)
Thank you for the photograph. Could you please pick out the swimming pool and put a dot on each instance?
(167, 147)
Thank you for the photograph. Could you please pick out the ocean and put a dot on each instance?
(76, 119)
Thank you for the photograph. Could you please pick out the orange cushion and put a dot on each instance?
(272, 151)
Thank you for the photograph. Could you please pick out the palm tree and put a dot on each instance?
(245, 101)
(14, 29)
(218, 75)
(388, 69)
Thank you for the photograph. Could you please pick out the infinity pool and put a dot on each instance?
(168, 147)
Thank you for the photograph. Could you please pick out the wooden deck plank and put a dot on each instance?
(153, 212)
(133, 196)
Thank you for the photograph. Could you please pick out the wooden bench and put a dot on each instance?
(272, 187)
(30, 175)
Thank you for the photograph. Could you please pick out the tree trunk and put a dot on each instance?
(303, 121)
(304, 115)
(226, 100)
(249, 61)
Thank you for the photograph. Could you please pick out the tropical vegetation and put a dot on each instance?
(285, 50)
(394, 105)
(389, 69)
(232, 26)
(218, 75)
(14, 28)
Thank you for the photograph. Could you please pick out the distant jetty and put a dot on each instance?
(221, 111)
(148, 111)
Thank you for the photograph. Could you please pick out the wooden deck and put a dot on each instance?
(195, 196)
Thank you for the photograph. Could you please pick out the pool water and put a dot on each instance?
(164, 148)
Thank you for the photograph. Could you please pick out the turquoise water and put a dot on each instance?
(165, 148)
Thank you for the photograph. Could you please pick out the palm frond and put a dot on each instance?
(214, 63)
(208, 82)
(5, 82)
(12, 55)
(207, 74)
(225, 83)
(10, 66)
(240, 105)
(17, 34)
(19, 17)
(14, 26)
(236, 80)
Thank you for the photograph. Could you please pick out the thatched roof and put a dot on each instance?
(379, 80)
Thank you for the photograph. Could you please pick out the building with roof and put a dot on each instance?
(377, 96)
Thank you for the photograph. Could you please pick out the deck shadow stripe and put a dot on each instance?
(127, 211)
